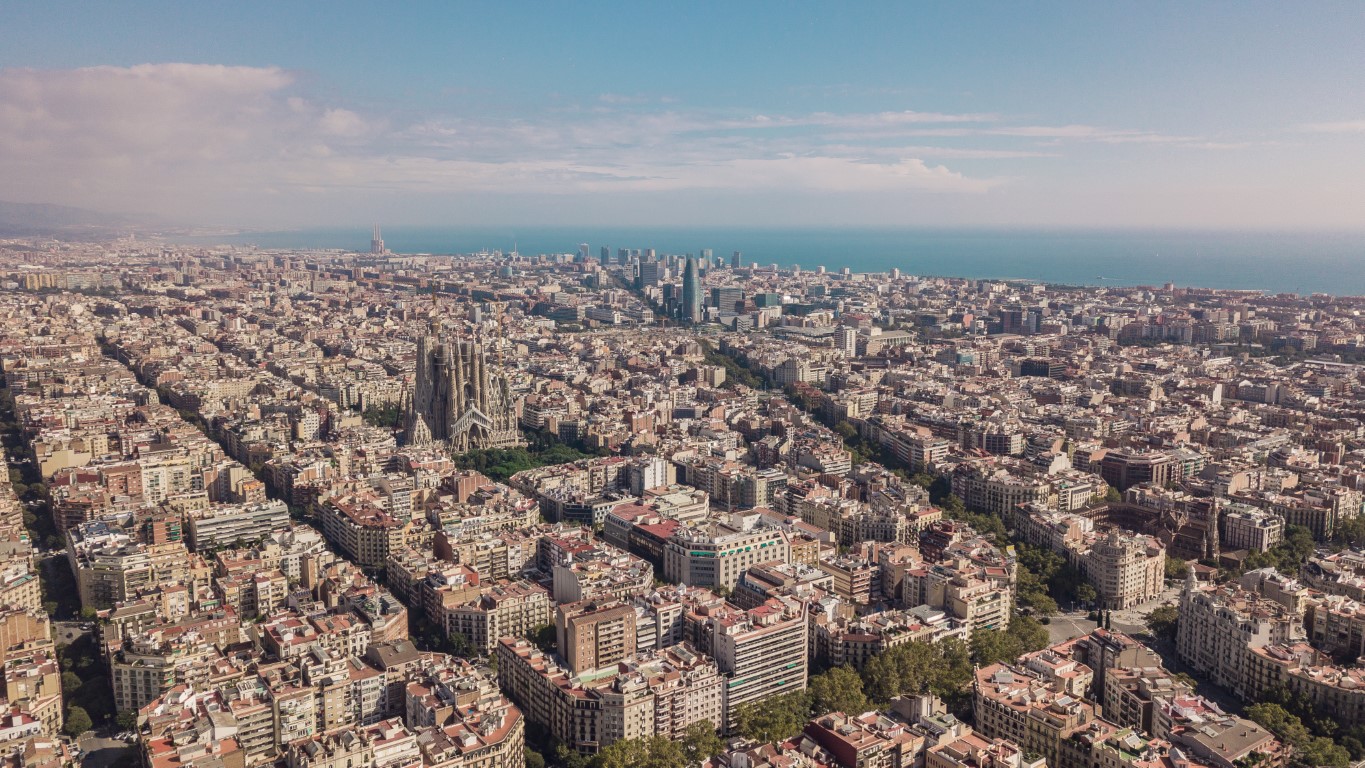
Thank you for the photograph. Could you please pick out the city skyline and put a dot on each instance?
(880, 115)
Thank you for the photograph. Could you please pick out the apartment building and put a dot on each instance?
(592, 635)
(762, 652)
(1219, 623)
(223, 525)
(503, 609)
(1126, 569)
(716, 554)
(658, 694)
(361, 529)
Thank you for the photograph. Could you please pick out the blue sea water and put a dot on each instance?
(1297, 262)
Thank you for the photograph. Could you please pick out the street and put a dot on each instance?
(1130, 621)
(101, 752)
(67, 632)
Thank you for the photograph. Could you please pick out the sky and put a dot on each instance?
(1246, 115)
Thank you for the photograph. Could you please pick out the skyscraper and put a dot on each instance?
(651, 272)
(376, 241)
(727, 300)
(737, 260)
(691, 292)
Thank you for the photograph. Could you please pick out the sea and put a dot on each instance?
(1277, 262)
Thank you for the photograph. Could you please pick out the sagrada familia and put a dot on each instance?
(459, 400)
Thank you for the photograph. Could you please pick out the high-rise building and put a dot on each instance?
(691, 297)
(737, 260)
(727, 300)
(458, 399)
(604, 255)
(651, 273)
(583, 251)
(376, 241)
(591, 636)
(846, 340)
(763, 652)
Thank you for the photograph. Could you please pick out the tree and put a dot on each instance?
(1086, 594)
(1253, 760)
(991, 646)
(1040, 576)
(654, 752)
(460, 645)
(838, 690)
(544, 637)
(1041, 603)
(943, 669)
(77, 722)
(1350, 532)
(1023, 635)
(1322, 752)
(568, 757)
(387, 415)
(70, 682)
(773, 719)
(1288, 556)
(1029, 633)
(1175, 568)
(1307, 750)
(881, 678)
(922, 479)
(951, 670)
(699, 742)
(845, 430)
(1113, 495)
(623, 753)
(1354, 741)
(127, 721)
(1278, 720)
(1162, 622)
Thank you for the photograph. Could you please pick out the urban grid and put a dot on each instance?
(326, 509)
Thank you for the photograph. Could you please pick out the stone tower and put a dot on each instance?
(458, 399)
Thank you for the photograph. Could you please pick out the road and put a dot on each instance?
(101, 752)
(1130, 621)
(1065, 626)
(67, 632)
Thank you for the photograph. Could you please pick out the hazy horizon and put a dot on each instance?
(1061, 116)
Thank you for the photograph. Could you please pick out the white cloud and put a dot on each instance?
(1340, 126)
(221, 143)
(184, 138)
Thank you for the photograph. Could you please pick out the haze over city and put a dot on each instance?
(880, 114)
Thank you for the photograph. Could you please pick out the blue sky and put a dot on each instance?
(1248, 115)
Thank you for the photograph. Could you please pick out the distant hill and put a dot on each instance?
(45, 219)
